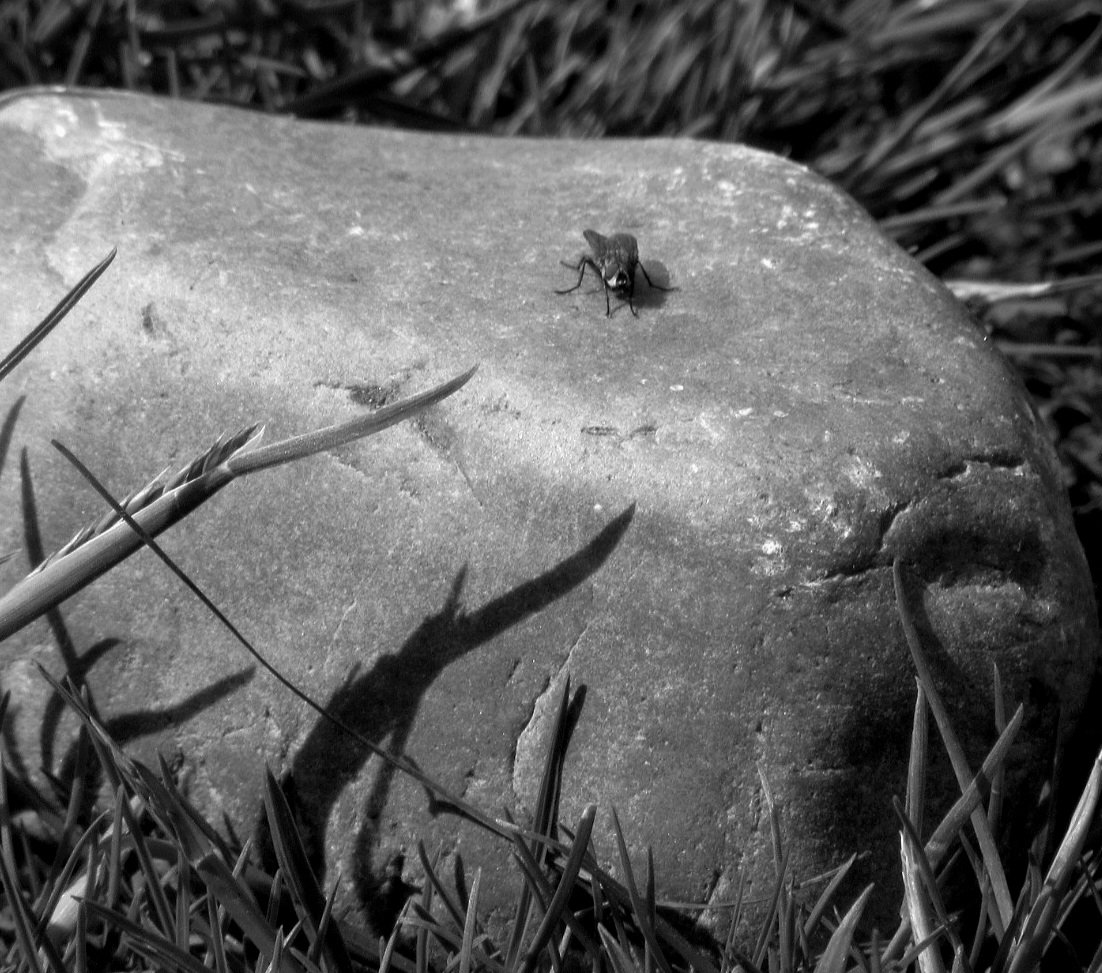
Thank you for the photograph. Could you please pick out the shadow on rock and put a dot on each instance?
(382, 704)
(125, 727)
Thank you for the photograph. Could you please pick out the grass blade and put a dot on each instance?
(937, 845)
(918, 762)
(1030, 943)
(54, 318)
(94, 551)
(546, 811)
(308, 899)
(925, 871)
(298, 447)
(642, 918)
(398, 761)
(161, 908)
(470, 924)
(824, 900)
(242, 908)
(163, 953)
(833, 959)
(992, 862)
(157, 506)
(617, 957)
(20, 915)
(433, 880)
(565, 889)
(924, 929)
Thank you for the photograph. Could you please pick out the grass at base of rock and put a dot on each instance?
(142, 881)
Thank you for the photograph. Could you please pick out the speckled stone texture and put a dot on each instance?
(693, 512)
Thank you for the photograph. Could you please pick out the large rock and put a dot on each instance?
(692, 512)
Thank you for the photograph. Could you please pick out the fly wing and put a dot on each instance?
(597, 243)
(626, 248)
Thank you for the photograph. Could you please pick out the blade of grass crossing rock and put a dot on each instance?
(827, 897)
(54, 318)
(243, 909)
(938, 844)
(93, 553)
(158, 506)
(953, 748)
(561, 898)
(833, 959)
(998, 778)
(918, 763)
(470, 925)
(618, 958)
(421, 939)
(433, 880)
(642, 917)
(306, 895)
(298, 447)
(917, 908)
(925, 872)
(540, 894)
(399, 762)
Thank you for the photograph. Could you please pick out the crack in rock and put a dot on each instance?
(996, 460)
(527, 755)
(878, 556)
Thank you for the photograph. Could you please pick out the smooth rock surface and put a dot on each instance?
(693, 512)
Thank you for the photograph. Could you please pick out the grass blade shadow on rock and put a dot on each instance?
(382, 702)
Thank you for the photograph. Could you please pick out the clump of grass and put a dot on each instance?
(145, 880)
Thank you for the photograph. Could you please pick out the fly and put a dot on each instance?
(614, 260)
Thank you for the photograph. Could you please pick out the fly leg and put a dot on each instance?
(582, 264)
(650, 283)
